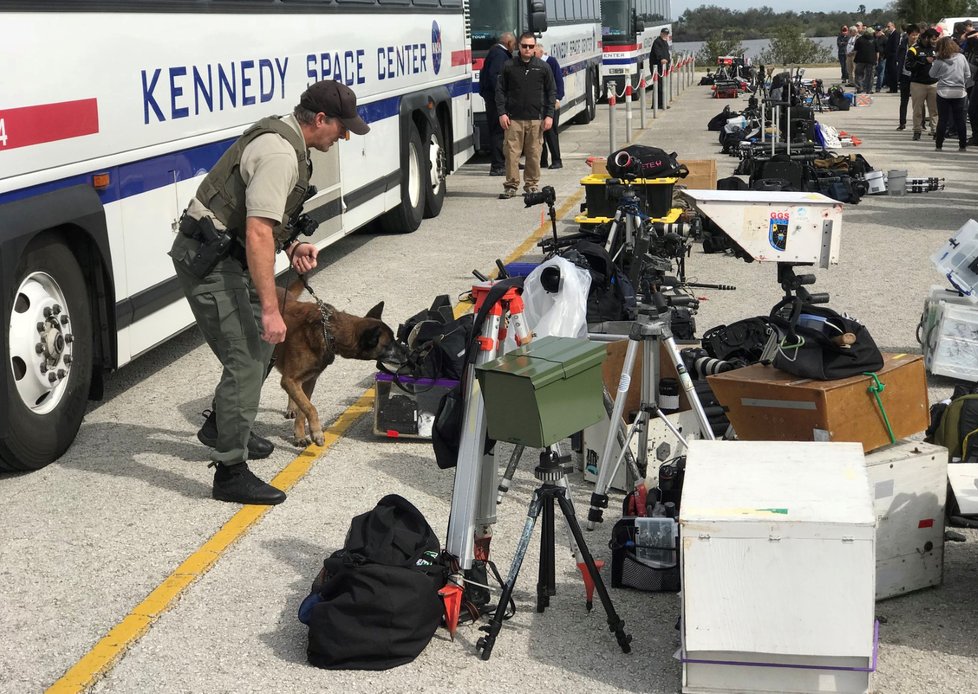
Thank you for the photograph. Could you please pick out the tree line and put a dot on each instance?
(709, 21)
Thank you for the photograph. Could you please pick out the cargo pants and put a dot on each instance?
(523, 137)
(226, 307)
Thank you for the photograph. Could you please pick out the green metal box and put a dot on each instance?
(544, 392)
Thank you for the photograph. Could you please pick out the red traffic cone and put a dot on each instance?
(451, 596)
(589, 582)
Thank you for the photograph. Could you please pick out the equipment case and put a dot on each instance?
(767, 404)
(407, 412)
(778, 568)
(909, 482)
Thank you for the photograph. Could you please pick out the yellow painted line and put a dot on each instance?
(97, 662)
(104, 654)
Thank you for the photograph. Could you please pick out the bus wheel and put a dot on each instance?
(406, 217)
(49, 366)
(436, 164)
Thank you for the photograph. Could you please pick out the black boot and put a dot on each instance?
(238, 484)
(258, 447)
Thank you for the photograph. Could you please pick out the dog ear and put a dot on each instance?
(370, 338)
(376, 311)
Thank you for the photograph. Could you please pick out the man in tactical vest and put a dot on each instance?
(245, 210)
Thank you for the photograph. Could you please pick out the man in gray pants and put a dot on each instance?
(224, 257)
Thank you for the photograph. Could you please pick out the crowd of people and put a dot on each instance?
(934, 75)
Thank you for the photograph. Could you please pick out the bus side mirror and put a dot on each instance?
(538, 16)
(639, 24)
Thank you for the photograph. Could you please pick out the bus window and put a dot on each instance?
(490, 18)
(615, 18)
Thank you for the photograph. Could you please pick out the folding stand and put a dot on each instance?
(649, 332)
(553, 488)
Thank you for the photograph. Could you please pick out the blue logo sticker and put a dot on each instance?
(436, 47)
(778, 231)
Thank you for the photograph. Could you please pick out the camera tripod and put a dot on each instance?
(650, 330)
(552, 489)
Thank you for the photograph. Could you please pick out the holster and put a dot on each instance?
(214, 246)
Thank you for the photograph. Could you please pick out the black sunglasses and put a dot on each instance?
(528, 45)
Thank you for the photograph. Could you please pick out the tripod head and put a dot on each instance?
(553, 467)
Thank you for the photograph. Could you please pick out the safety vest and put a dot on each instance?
(223, 189)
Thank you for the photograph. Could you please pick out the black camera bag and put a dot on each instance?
(611, 296)
(642, 161)
(627, 571)
(816, 356)
(744, 339)
(375, 603)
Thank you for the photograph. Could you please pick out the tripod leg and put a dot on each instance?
(485, 644)
(547, 582)
(507, 479)
(615, 623)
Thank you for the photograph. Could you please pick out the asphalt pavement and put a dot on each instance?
(94, 570)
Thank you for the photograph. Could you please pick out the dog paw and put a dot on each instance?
(290, 413)
(301, 442)
(319, 438)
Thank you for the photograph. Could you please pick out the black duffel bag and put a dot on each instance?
(375, 603)
(820, 352)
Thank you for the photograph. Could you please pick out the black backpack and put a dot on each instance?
(954, 424)
(375, 603)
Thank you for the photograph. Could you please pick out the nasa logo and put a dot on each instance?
(436, 47)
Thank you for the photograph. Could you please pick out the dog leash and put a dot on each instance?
(325, 310)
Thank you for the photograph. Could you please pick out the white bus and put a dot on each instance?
(111, 112)
(572, 36)
(628, 28)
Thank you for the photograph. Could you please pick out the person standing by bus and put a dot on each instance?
(659, 57)
(498, 55)
(224, 258)
(550, 141)
(525, 95)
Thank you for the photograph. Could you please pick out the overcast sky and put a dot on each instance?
(680, 6)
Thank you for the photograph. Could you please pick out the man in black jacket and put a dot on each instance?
(911, 32)
(880, 38)
(865, 62)
(659, 58)
(841, 41)
(525, 94)
(497, 56)
(923, 87)
(891, 72)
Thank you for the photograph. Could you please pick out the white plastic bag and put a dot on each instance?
(562, 313)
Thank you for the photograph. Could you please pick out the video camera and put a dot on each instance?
(547, 195)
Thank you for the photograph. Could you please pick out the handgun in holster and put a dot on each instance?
(214, 246)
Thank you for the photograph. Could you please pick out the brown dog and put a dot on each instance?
(315, 333)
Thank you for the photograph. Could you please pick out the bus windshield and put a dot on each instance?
(490, 18)
(615, 19)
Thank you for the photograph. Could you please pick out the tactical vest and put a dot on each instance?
(223, 189)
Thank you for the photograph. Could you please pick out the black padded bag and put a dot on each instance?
(375, 604)
(819, 357)
(642, 161)
(627, 571)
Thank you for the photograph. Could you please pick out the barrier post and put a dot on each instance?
(611, 116)
(628, 110)
(641, 101)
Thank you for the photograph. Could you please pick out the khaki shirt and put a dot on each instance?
(270, 172)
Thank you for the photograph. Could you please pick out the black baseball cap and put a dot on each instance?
(337, 101)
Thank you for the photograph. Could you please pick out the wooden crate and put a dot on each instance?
(702, 174)
(766, 404)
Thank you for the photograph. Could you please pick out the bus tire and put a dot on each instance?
(49, 291)
(406, 217)
(436, 166)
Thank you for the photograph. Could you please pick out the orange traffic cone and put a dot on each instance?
(451, 595)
